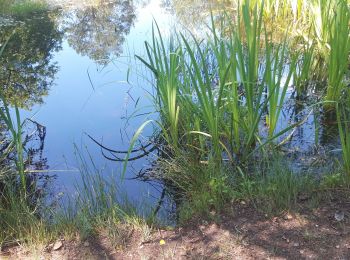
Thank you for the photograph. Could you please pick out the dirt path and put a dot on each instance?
(240, 233)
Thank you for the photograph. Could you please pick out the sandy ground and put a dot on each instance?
(241, 232)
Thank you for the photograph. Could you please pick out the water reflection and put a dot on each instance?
(34, 159)
(99, 31)
(26, 72)
(195, 14)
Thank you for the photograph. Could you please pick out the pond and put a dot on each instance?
(74, 74)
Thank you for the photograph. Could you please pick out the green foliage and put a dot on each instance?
(338, 61)
(97, 201)
(333, 181)
(273, 186)
(20, 223)
(275, 72)
(15, 128)
(343, 118)
(205, 189)
(210, 93)
(303, 73)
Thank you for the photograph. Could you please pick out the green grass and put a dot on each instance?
(343, 118)
(99, 206)
(202, 188)
(274, 187)
(276, 60)
(338, 61)
(303, 73)
(20, 222)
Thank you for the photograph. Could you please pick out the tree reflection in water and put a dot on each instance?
(26, 76)
(195, 14)
(98, 31)
(26, 72)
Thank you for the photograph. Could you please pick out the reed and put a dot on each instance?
(277, 79)
(165, 65)
(338, 61)
(15, 128)
(343, 118)
(303, 72)
(219, 84)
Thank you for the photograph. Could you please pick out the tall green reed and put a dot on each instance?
(248, 42)
(219, 85)
(343, 118)
(165, 65)
(277, 78)
(303, 72)
(15, 128)
(338, 61)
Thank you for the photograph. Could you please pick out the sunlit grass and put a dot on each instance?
(343, 118)
(15, 128)
(339, 44)
(277, 78)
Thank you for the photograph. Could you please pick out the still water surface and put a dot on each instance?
(76, 74)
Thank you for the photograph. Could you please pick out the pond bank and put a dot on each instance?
(240, 232)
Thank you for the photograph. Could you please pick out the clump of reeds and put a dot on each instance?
(211, 94)
(343, 118)
(339, 44)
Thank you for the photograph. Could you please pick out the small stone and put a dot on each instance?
(287, 240)
(86, 244)
(339, 215)
(288, 217)
(243, 202)
(337, 246)
(316, 225)
(276, 220)
(58, 245)
(296, 244)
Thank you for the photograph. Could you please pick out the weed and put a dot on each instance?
(274, 187)
(338, 61)
(343, 118)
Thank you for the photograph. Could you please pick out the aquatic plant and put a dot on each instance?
(277, 78)
(166, 69)
(15, 129)
(343, 119)
(211, 93)
(303, 73)
(338, 61)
